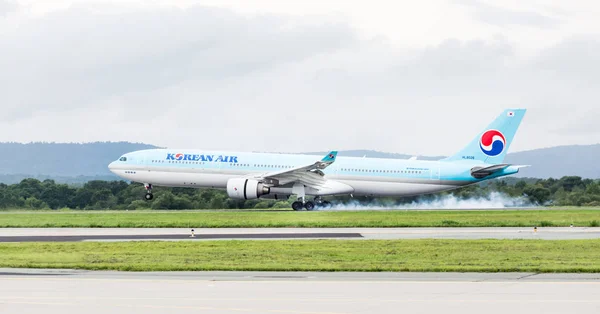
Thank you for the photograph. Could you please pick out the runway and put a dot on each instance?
(182, 234)
(65, 291)
(176, 237)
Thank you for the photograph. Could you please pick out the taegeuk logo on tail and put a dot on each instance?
(492, 143)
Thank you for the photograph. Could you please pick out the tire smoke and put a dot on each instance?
(494, 200)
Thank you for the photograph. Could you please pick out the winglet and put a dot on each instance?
(329, 158)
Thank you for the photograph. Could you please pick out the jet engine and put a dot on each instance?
(246, 189)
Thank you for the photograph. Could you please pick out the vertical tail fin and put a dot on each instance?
(491, 145)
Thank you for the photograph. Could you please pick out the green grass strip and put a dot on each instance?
(315, 255)
(250, 219)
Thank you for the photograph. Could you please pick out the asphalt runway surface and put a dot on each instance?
(65, 291)
(175, 237)
(182, 234)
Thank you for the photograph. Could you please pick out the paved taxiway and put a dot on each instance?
(175, 234)
(64, 291)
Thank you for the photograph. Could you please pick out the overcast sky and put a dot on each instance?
(416, 77)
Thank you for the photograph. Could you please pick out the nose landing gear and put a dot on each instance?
(149, 196)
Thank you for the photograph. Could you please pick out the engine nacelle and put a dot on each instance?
(246, 189)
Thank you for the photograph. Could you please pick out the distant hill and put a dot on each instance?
(559, 161)
(77, 163)
(62, 159)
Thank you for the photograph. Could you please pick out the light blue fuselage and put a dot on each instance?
(366, 176)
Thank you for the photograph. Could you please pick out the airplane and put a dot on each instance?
(246, 175)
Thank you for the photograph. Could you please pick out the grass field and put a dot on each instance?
(317, 255)
(281, 219)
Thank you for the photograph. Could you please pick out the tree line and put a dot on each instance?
(96, 195)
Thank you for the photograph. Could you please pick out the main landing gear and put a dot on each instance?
(320, 202)
(149, 196)
(297, 205)
(299, 190)
(310, 205)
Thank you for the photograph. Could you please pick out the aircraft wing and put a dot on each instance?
(309, 175)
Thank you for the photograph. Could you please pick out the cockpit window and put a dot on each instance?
(123, 159)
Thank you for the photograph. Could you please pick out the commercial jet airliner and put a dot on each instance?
(278, 176)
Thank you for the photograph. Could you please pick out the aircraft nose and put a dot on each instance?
(111, 166)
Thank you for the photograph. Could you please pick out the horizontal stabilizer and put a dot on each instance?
(482, 172)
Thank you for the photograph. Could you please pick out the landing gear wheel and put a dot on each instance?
(309, 205)
(297, 205)
(325, 204)
(148, 195)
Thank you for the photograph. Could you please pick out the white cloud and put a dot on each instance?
(207, 77)
(7, 7)
(68, 59)
(500, 16)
